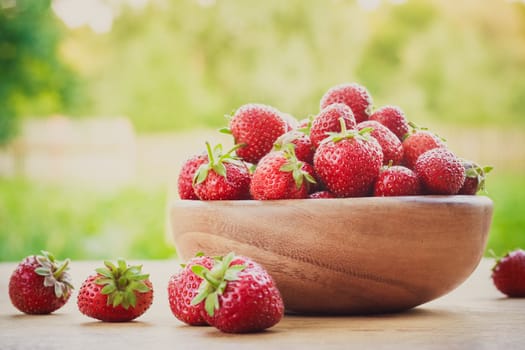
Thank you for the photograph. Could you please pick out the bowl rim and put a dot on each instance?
(423, 199)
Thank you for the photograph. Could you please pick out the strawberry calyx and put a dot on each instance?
(307, 126)
(121, 282)
(55, 274)
(214, 281)
(216, 160)
(295, 166)
(474, 171)
(335, 137)
(415, 128)
(287, 139)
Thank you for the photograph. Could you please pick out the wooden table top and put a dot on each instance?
(474, 316)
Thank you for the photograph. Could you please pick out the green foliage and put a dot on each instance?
(81, 223)
(33, 80)
(508, 225)
(181, 64)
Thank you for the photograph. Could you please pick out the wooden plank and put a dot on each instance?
(474, 316)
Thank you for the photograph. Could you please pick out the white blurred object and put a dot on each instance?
(99, 151)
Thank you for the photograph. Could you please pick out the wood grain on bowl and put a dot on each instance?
(348, 255)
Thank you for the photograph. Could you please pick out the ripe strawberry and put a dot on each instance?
(116, 293)
(397, 180)
(390, 144)
(223, 177)
(304, 149)
(440, 171)
(40, 284)
(183, 287)
(187, 172)
(508, 274)
(280, 175)
(256, 127)
(354, 96)
(393, 118)
(321, 194)
(418, 142)
(239, 296)
(475, 178)
(348, 163)
(328, 121)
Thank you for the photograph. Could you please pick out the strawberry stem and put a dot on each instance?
(61, 269)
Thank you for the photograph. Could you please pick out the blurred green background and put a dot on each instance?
(173, 69)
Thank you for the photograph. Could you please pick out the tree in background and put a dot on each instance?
(33, 79)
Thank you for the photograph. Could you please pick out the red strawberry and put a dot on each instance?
(348, 163)
(508, 274)
(354, 96)
(328, 121)
(393, 118)
(417, 143)
(223, 177)
(279, 175)
(239, 296)
(390, 144)
(187, 172)
(321, 194)
(397, 181)
(440, 171)
(256, 127)
(40, 284)
(117, 293)
(183, 287)
(304, 149)
(475, 178)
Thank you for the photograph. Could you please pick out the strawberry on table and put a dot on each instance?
(187, 172)
(327, 121)
(354, 96)
(280, 175)
(393, 118)
(239, 296)
(223, 177)
(183, 287)
(40, 284)
(390, 144)
(508, 274)
(116, 293)
(440, 172)
(397, 180)
(475, 178)
(256, 127)
(348, 163)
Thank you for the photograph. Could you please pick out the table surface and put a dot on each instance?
(474, 316)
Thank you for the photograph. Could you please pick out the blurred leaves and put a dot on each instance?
(183, 65)
(33, 79)
(80, 223)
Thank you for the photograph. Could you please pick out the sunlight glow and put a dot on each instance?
(97, 14)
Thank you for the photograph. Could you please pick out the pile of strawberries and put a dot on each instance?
(346, 150)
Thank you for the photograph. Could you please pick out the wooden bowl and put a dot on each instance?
(348, 255)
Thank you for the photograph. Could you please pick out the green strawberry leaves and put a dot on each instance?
(216, 160)
(120, 283)
(215, 281)
(363, 134)
(295, 166)
(55, 274)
